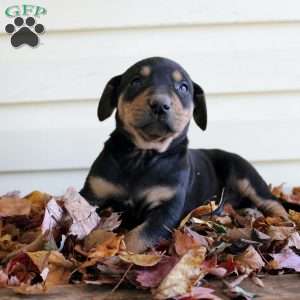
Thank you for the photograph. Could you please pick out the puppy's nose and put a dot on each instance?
(160, 105)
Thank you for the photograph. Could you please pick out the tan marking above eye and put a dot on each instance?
(157, 194)
(145, 71)
(177, 76)
(102, 188)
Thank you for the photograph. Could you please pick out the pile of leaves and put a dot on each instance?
(47, 241)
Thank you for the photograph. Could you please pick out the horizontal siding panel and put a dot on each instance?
(77, 147)
(101, 14)
(223, 107)
(222, 59)
(83, 114)
(56, 182)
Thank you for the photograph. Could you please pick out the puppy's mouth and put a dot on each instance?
(155, 131)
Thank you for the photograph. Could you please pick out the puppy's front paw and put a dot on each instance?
(135, 240)
(274, 209)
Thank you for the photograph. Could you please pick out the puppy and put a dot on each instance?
(147, 171)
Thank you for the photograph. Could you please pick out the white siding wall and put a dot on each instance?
(245, 54)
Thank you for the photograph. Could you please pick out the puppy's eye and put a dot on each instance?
(183, 88)
(136, 82)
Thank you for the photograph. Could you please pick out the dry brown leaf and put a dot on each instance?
(295, 216)
(96, 237)
(36, 245)
(3, 279)
(36, 289)
(257, 281)
(249, 260)
(84, 216)
(280, 233)
(57, 276)
(57, 259)
(142, 260)
(38, 201)
(59, 269)
(239, 233)
(186, 239)
(183, 276)
(109, 247)
(39, 258)
(204, 209)
(199, 212)
(11, 207)
(111, 222)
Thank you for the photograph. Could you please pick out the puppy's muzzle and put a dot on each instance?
(160, 105)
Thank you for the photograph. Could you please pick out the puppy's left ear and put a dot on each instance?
(200, 111)
(109, 98)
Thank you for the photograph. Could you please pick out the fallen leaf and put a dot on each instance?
(280, 233)
(287, 259)
(110, 223)
(237, 281)
(53, 215)
(83, 215)
(142, 260)
(186, 239)
(294, 240)
(3, 279)
(109, 247)
(199, 212)
(36, 289)
(204, 209)
(257, 281)
(250, 260)
(39, 258)
(295, 216)
(96, 237)
(239, 233)
(211, 267)
(183, 276)
(36, 245)
(152, 277)
(11, 207)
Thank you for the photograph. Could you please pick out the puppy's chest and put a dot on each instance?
(140, 194)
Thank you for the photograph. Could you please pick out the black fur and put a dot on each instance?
(196, 175)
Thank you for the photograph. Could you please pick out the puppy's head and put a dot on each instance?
(155, 100)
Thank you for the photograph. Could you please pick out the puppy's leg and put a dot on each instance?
(239, 176)
(158, 224)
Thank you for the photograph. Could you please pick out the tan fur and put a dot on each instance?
(157, 194)
(105, 189)
(177, 76)
(182, 116)
(268, 206)
(135, 241)
(145, 71)
(130, 111)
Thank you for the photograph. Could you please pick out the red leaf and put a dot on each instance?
(152, 277)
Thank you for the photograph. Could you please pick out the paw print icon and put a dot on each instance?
(24, 32)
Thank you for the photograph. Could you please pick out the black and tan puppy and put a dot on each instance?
(147, 171)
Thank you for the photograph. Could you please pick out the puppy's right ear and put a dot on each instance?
(109, 98)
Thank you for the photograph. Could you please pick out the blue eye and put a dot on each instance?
(136, 82)
(183, 88)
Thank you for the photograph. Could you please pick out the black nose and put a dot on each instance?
(160, 106)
